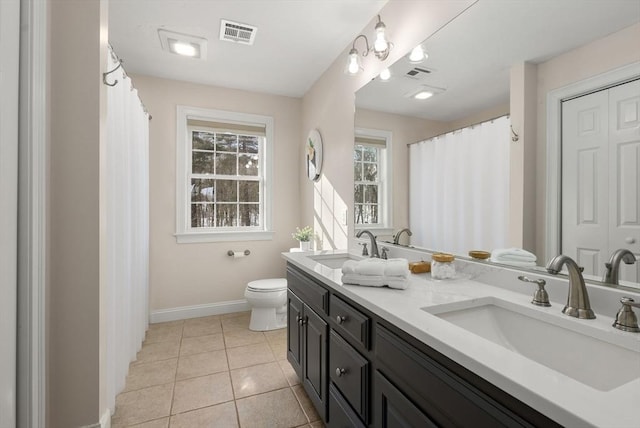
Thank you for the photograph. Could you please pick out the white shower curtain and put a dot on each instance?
(127, 226)
(459, 189)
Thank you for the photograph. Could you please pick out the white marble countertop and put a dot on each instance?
(560, 397)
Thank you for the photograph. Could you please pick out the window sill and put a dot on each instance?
(376, 230)
(200, 237)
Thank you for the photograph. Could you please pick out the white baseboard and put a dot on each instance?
(185, 312)
(105, 420)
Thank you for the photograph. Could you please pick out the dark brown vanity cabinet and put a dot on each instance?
(361, 371)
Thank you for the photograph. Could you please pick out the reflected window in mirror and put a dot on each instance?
(371, 166)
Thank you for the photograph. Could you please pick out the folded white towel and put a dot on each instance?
(349, 266)
(396, 282)
(513, 262)
(367, 280)
(397, 267)
(513, 254)
(371, 266)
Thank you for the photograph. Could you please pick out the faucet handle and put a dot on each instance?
(384, 253)
(626, 319)
(364, 248)
(540, 297)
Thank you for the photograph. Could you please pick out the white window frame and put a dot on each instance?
(385, 198)
(184, 232)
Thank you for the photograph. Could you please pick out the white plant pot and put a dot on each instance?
(305, 245)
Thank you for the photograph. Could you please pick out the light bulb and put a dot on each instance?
(417, 54)
(381, 44)
(385, 74)
(353, 64)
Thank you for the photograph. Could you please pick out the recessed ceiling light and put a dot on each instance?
(423, 95)
(417, 55)
(424, 92)
(385, 75)
(183, 44)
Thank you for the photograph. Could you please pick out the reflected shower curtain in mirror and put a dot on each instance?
(459, 189)
(126, 228)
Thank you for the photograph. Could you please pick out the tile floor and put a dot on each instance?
(213, 372)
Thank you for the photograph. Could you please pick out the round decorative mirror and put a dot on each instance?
(313, 152)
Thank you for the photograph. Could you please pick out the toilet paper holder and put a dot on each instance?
(232, 253)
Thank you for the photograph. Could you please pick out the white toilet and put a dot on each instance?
(268, 300)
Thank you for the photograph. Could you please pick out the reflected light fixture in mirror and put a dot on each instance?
(385, 75)
(381, 48)
(417, 55)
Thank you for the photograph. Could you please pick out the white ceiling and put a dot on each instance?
(472, 55)
(296, 40)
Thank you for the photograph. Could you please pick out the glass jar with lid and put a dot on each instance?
(442, 266)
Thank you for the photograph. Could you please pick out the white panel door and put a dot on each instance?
(585, 224)
(624, 174)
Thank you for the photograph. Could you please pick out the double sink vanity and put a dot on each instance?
(469, 351)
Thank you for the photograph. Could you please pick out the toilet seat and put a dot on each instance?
(267, 285)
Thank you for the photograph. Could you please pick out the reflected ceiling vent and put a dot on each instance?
(417, 73)
(235, 32)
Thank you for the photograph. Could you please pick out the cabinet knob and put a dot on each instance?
(340, 372)
(340, 319)
(300, 319)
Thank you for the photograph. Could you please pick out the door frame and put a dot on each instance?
(554, 143)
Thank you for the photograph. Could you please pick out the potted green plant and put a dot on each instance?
(303, 236)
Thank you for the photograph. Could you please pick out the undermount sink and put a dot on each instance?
(598, 358)
(334, 261)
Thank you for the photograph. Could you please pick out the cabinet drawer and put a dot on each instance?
(349, 371)
(350, 322)
(308, 290)
(340, 413)
(444, 398)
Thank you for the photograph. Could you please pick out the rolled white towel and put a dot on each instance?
(397, 282)
(367, 280)
(513, 254)
(371, 266)
(349, 266)
(397, 267)
(513, 263)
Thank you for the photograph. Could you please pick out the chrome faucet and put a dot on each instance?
(578, 300)
(396, 237)
(612, 273)
(374, 246)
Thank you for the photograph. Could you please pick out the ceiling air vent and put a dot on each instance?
(418, 73)
(236, 32)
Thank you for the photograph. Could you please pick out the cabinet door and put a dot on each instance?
(314, 366)
(340, 413)
(294, 332)
(394, 410)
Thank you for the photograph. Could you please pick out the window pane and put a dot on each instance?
(370, 154)
(248, 165)
(226, 215)
(358, 194)
(226, 142)
(366, 214)
(226, 164)
(202, 140)
(357, 155)
(371, 194)
(201, 215)
(249, 215)
(370, 172)
(357, 171)
(358, 212)
(248, 143)
(249, 191)
(202, 190)
(227, 191)
(202, 162)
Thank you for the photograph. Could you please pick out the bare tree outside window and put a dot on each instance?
(367, 185)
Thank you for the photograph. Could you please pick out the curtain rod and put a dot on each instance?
(117, 59)
(460, 129)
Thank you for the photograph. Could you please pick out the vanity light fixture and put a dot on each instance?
(417, 55)
(183, 44)
(381, 48)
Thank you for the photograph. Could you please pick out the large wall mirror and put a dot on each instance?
(569, 49)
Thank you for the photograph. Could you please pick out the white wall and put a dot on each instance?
(618, 49)
(183, 275)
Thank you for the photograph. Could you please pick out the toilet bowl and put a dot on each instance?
(268, 301)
